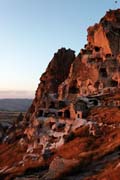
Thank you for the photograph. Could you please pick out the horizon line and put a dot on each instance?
(16, 94)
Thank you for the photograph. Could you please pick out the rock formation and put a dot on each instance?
(96, 67)
(106, 34)
(71, 130)
(56, 72)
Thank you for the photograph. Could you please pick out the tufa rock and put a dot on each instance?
(56, 72)
(106, 34)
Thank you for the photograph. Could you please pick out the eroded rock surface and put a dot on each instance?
(72, 129)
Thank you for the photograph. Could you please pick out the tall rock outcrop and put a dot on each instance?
(96, 67)
(73, 127)
(56, 73)
(106, 34)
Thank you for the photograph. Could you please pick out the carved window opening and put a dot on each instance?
(40, 113)
(67, 114)
(80, 106)
(96, 85)
(108, 55)
(78, 115)
(60, 113)
(114, 83)
(97, 49)
(46, 115)
(73, 90)
(62, 104)
(103, 72)
(52, 105)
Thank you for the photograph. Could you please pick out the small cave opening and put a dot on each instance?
(45, 114)
(96, 85)
(97, 49)
(62, 104)
(79, 114)
(60, 113)
(40, 113)
(67, 113)
(52, 105)
(95, 102)
(108, 55)
(81, 106)
(103, 72)
(73, 90)
(114, 83)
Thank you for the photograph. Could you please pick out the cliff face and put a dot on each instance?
(96, 66)
(91, 72)
(73, 125)
(106, 34)
(56, 72)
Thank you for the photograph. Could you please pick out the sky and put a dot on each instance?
(31, 31)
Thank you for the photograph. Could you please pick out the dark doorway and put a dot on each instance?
(40, 113)
(52, 105)
(46, 114)
(114, 83)
(60, 113)
(67, 114)
(103, 72)
(62, 104)
(97, 49)
(73, 90)
(108, 55)
(96, 85)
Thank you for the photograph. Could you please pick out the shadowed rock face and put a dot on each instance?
(106, 34)
(56, 72)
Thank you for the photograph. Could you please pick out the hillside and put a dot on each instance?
(72, 129)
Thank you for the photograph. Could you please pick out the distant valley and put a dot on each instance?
(19, 105)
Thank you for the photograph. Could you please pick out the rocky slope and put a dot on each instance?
(71, 131)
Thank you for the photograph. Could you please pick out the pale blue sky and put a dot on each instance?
(31, 31)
